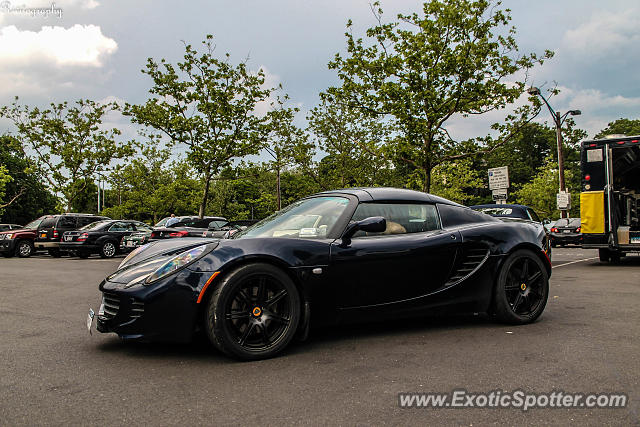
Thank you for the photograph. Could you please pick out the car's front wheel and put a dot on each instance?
(253, 312)
(24, 249)
(108, 250)
(522, 288)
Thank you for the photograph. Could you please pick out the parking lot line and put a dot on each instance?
(573, 262)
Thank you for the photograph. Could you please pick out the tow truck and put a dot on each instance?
(610, 196)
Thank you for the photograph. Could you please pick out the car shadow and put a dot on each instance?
(200, 349)
(630, 260)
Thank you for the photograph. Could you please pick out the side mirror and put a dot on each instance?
(374, 224)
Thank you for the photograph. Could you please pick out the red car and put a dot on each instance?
(19, 241)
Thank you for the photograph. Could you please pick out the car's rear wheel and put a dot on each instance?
(254, 312)
(108, 250)
(522, 288)
(24, 249)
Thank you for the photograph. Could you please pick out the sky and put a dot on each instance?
(95, 49)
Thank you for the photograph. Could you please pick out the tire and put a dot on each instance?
(54, 253)
(522, 288)
(82, 254)
(108, 249)
(553, 244)
(615, 257)
(604, 255)
(24, 249)
(253, 313)
(7, 254)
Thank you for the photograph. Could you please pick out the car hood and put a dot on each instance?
(18, 230)
(154, 255)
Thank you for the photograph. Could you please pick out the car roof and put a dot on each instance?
(388, 194)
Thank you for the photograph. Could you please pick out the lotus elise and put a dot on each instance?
(337, 256)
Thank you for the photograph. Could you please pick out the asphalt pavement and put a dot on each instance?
(54, 372)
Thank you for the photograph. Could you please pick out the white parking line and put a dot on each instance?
(573, 262)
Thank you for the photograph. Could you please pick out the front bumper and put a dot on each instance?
(8, 246)
(163, 311)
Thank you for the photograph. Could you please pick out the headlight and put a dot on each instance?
(133, 253)
(8, 236)
(176, 263)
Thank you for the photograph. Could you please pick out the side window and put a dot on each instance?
(85, 220)
(142, 227)
(67, 222)
(121, 226)
(401, 218)
(456, 215)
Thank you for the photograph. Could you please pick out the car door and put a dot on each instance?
(410, 259)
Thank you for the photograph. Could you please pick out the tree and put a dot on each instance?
(350, 139)
(25, 197)
(207, 104)
(68, 143)
(540, 192)
(453, 59)
(453, 180)
(284, 142)
(627, 127)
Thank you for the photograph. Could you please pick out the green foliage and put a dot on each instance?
(627, 127)
(452, 180)
(540, 192)
(421, 70)
(205, 104)
(25, 197)
(5, 178)
(67, 143)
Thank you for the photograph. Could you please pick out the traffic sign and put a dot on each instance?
(499, 195)
(563, 200)
(499, 178)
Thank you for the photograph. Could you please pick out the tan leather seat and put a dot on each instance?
(394, 228)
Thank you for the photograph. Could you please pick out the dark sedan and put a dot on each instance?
(338, 256)
(508, 211)
(187, 227)
(101, 237)
(566, 231)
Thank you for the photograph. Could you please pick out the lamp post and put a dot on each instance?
(558, 119)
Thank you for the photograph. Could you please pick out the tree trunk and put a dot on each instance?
(426, 183)
(205, 195)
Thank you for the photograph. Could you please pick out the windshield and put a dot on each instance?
(162, 222)
(308, 218)
(33, 224)
(95, 225)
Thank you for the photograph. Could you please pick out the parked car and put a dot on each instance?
(186, 227)
(566, 231)
(508, 211)
(101, 237)
(52, 228)
(513, 212)
(7, 227)
(343, 255)
(19, 241)
(220, 230)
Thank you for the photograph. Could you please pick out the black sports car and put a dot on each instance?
(337, 256)
(101, 237)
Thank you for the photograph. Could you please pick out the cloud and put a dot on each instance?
(80, 45)
(605, 34)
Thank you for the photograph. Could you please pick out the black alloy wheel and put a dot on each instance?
(24, 249)
(522, 288)
(254, 312)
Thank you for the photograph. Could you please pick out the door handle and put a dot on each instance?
(453, 236)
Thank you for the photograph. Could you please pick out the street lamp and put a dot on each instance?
(558, 119)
